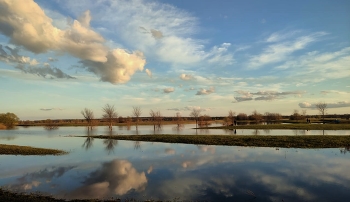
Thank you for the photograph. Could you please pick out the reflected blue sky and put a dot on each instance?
(146, 170)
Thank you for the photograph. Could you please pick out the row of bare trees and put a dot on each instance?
(110, 115)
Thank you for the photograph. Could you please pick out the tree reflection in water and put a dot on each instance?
(88, 141)
(137, 145)
(256, 132)
(110, 143)
(345, 150)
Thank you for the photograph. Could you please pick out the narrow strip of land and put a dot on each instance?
(25, 150)
(315, 141)
(288, 127)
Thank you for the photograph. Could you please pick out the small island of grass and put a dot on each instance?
(314, 141)
(26, 150)
(287, 127)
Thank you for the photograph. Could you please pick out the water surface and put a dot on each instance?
(102, 169)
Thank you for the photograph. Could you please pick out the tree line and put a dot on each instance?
(110, 116)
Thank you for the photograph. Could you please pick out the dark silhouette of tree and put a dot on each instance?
(322, 108)
(9, 120)
(136, 112)
(231, 116)
(255, 116)
(110, 115)
(89, 117)
(195, 113)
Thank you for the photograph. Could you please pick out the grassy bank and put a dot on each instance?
(25, 150)
(317, 141)
(9, 196)
(289, 127)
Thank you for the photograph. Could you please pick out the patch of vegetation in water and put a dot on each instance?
(288, 127)
(314, 141)
(26, 150)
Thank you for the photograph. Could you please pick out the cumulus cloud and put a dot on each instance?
(113, 178)
(149, 73)
(329, 105)
(206, 91)
(168, 90)
(27, 25)
(186, 77)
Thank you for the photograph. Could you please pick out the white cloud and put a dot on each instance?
(316, 67)
(278, 52)
(149, 73)
(115, 177)
(38, 34)
(186, 77)
(168, 90)
(206, 91)
(159, 30)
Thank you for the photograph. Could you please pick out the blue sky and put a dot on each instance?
(58, 57)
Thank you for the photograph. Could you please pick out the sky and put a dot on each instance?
(58, 57)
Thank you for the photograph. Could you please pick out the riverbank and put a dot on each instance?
(25, 150)
(287, 127)
(315, 141)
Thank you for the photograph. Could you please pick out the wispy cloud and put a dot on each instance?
(190, 108)
(265, 95)
(50, 109)
(278, 52)
(161, 31)
(329, 105)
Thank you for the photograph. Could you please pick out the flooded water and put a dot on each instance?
(103, 169)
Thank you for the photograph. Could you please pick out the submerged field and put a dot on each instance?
(316, 141)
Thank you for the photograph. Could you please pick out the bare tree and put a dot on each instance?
(204, 120)
(231, 116)
(157, 119)
(89, 117)
(136, 112)
(195, 113)
(322, 108)
(109, 115)
(178, 119)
